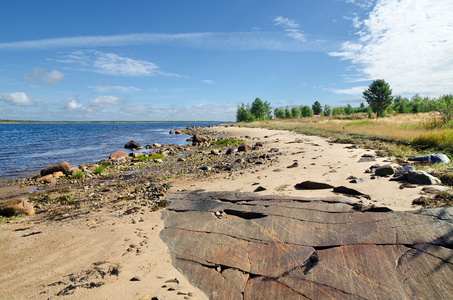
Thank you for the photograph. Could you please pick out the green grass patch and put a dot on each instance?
(78, 175)
(436, 138)
(99, 170)
(228, 142)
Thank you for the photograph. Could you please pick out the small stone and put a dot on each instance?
(260, 189)
(190, 294)
(135, 278)
(175, 288)
(175, 280)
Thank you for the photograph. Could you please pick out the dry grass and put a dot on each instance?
(405, 129)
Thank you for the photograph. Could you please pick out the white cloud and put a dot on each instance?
(113, 64)
(291, 28)
(356, 22)
(208, 81)
(365, 4)
(40, 75)
(72, 104)
(117, 88)
(18, 99)
(232, 41)
(105, 101)
(357, 90)
(407, 43)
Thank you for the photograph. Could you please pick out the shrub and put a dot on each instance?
(98, 170)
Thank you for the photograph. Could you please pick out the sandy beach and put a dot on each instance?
(102, 255)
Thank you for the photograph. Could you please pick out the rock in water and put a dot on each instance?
(133, 145)
(299, 248)
(60, 167)
(14, 206)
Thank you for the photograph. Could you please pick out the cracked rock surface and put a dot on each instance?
(247, 246)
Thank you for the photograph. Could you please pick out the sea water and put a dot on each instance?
(25, 149)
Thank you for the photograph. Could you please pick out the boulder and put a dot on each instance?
(14, 206)
(401, 173)
(45, 178)
(385, 170)
(421, 177)
(63, 167)
(432, 158)
(157, 145)
(133, 145)
(58, 174)
(118, 154)
(178, 131)
(135, 154)
(198, 139)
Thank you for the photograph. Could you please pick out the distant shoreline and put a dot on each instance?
(96, 122)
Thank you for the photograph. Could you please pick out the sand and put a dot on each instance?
(41, 259)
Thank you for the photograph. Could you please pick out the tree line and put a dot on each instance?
(378, 97)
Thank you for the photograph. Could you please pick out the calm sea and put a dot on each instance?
(25, 149)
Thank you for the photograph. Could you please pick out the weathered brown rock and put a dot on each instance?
(63, 167)
(44, 178)
(58, 174)
(275, 247)
(135, 154)
(118, 154)
(14, 206)
(198, 139)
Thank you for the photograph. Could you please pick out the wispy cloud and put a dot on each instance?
(234, 41)
(40, 75)
(105, 101)
(113, 64)
(16, 99)
(358, 90)
(116, 88)
(291, 28)
(407, 43)
(208, 81)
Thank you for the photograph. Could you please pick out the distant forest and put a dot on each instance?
(261, 110)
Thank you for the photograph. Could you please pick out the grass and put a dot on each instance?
(228, 142)
(399, 135)
(99, 170)
(78, 175)
(144, 158)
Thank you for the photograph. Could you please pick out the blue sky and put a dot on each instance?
(156, 60)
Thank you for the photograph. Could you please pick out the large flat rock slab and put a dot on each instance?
(247, 246)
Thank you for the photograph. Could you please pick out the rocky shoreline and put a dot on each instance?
(61, 192)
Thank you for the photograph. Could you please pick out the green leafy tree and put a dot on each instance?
(317, 108)
(258, 110)
(348, 110)
(279, 113)
(327, 111)
(295, 112)
(243, 114)
(306, 111)
(379, 96)
(267, 110)
(287, 113)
